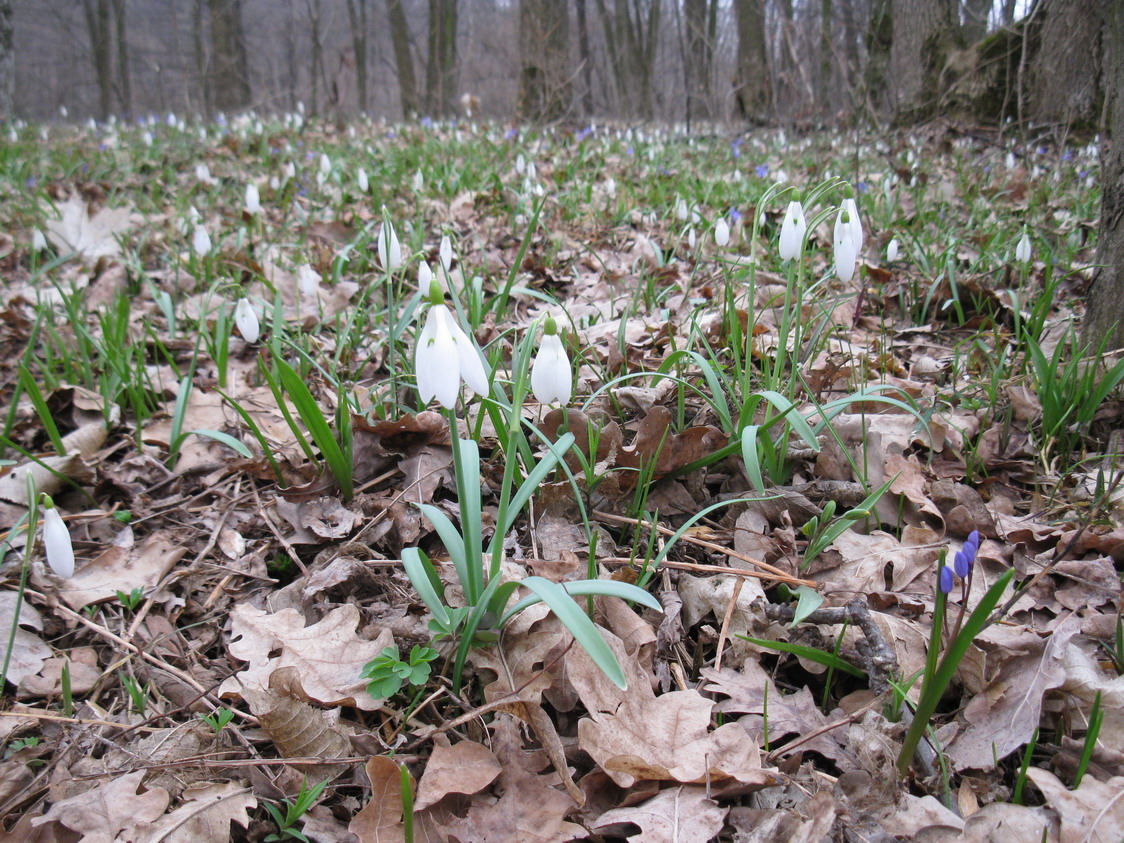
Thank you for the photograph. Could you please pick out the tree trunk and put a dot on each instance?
(1104, 318)
(824, 92)
(586, 56)
(631, 38)
(544, 76)
(1063, 78)
(751, 86)
(312, 7)
(441, 62)
(924, 33)
(879, 38)
(98, 27)
(124, 86)
(403, 60)
(7, 62)
(975, 19)
(228, 56)
(699, 59)
(200, 44)
(357, 17)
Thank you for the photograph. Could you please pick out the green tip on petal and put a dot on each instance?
(848, 192)
(846, 218)
(550, 327)
(46, 501)
(436, 293)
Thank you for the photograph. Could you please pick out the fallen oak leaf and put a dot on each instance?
(380, 820)
(1093, 812)
(102, 813)
(683, 814)
(206, 814)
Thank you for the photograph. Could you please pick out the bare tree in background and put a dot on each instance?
(124, 87)
(7, 61)
(975, 14)
(753, 90)
(403, 58)
(631, 37)
(358, 18)
(1104, 319)
(1063, 78)
(98, 25)
(879, 40)
(824, 88)
(202, 61)
(700, 17)
(441, 61)
(585, 55)
(924, 33)
(229, 63)
(545, 75)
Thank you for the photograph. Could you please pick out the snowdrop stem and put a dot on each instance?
(31, 518)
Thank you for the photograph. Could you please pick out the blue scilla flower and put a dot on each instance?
(961, 565)
(946, 579)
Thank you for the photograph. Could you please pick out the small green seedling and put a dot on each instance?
(218, 719)
(137, 692)
(131, 600)
(388, 672)
(294, 810)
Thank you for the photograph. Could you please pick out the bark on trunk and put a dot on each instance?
(124, 86)
(699, 59)
(98, 27)
(229, 62)
(1104, 318)
(544, 76)
(925, 32)
(586, 56)
(1063, 76)
(403, 59)
(357, 17)
(441, 63)
(7, 62)
(751, 86)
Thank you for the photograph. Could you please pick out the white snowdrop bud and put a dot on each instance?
(247, 321)
(56, 541)
(722, 232)
(362, 181)
(201, 241)
(892, 250)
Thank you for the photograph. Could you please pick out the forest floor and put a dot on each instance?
(281, 552)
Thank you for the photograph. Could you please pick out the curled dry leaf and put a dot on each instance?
(683, 814)
(206, 814)
(466, 767)
(298, 729)
(29, 652)
(119, 569)
(380, 820)
(81, 445)
(102, 813)
(328, 655)
(1094, 812)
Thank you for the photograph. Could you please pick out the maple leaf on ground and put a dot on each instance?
(635, 735)
(102, 813)
(683, 814)
(328, 655)
(89, 237)
(1093, 813)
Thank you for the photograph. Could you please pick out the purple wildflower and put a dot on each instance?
(960, 564)
(761, 170)
(946, 579)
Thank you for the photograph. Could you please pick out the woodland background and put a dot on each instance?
(808, 63)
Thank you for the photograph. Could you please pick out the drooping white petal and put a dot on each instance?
(793, 228)
(445, 252)
(852, 210)
(201, 241)
(435, 361)
(425, 275)
(390, 252)
(550, 373)
(308, 280)
(247, 321)
(467, 357)
(1022, 250)
(722, 232)
(56, 540)
(362, 181)
(845, 254)
(892, 250)
(253, 199)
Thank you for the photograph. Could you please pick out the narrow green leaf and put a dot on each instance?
(414, 563)
(226, 439)
(809, 653)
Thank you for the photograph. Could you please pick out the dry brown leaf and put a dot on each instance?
(466, 767)
(82, 663)
(81, 445)
(636, 736)
(206, 814)
(29, 652)
(89, 237)
(328, 655)
(119, 569)
(380, 820)
(298, 729)
(102, 813)
(768, 826)
(682, 814)
(1004, 717)
(1094, 813)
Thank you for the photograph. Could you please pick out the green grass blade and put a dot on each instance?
(313, 418)
(809, 653)
(607, 588)
(226, 439)
(418, 569)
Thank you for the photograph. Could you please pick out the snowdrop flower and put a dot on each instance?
(56, 540)
(274, 183)
(853, 212)
(390, 252)
(845, 252)
(793, 229)
(425, 275)
(1022, 250)
(308, 280)
(722, 232)
(247, 320)
(551, 376)
(362, 181)
(681, 209)
(892, 250)
(203, 174)
(691, 239)
(445, 356)
(445, 252)
(325, 163)
(253, 199)
(201, 241)
(38, 241)
(419, 181)
(288, 170)
(610, 187)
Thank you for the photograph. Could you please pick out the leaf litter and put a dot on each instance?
(220, 592)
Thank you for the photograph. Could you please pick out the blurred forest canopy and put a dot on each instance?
(807, 63)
